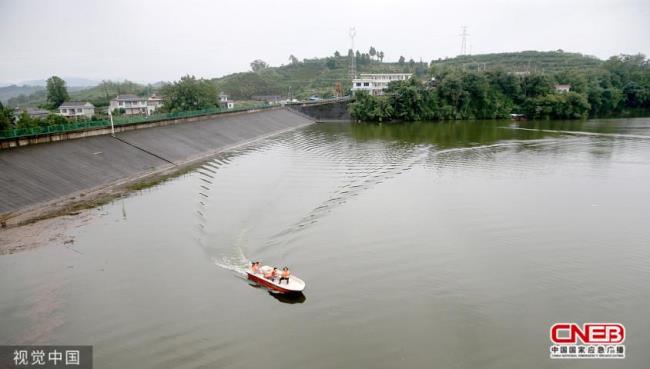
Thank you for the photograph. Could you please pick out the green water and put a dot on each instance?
(429, 245)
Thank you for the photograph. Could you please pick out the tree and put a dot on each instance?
(331, 63)
(258, 64)
(54, 119)
(380, 55)
(189, 94)
(292, 59)
(6, 117)
(370, 108)
(337, 54)
(401, 60)
(411, 63)
(372, 51)
(25, 121)
(57, 93)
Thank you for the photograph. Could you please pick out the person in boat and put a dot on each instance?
(255, 267)
(284, 276)
(271, 274)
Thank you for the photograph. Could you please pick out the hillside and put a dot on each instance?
(99, 95)
(319, 76)
(308, 77)
(8, 92)
(531, 61)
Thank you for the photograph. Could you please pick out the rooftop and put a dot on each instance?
(75, 104)
(129, 97)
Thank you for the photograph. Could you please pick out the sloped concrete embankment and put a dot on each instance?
(38, 180)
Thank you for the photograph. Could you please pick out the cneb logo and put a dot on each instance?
(590, 333)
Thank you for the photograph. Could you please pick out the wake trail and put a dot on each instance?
(377, 176)
(581, 133)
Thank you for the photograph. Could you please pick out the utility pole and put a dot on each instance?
(463, 42)
(353, 59)
(110, 114)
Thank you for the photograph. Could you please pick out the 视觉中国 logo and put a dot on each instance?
(587, 341)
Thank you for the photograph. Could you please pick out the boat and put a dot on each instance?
(295, 285)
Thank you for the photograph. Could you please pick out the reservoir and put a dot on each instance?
(423, 245)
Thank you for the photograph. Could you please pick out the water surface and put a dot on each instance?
(453, 245)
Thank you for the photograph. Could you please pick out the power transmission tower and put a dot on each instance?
(352, 71)
(463, 42)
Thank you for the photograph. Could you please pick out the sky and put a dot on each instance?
(149, 41)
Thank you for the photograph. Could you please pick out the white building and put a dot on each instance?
(72, 109)
(134, 105)
(376, 83)
(154, 103)
(562, 88)
(224, 102)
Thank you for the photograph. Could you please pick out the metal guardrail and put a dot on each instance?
(117, 121)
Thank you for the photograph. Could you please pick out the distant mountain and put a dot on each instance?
(99, 95)
(69, 81)
(8, 92)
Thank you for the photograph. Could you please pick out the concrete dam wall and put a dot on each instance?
(37, 174)
(325, 111)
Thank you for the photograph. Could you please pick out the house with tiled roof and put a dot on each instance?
(135, 105)
(74, 109)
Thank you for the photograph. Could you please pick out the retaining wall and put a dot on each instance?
(37, 174)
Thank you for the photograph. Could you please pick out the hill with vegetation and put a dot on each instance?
(301, 79)
(523, 61)
(99, 95)
(7, 92)
(319, 76)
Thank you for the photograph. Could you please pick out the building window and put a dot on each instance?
(358, 84)
(366, 84)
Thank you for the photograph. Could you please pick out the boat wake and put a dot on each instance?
(229, 258)
(359, 183)
(582, 133)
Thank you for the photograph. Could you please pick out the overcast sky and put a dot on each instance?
(148, 41)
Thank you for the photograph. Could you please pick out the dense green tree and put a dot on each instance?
(189, 94)
(292, 59)
(570, 105)
(258, 65)
(337, 54)
(401, 60)
(380, 55)
(6, 117)
(411, 63)
(372, 51)
(57, 93)
(410, 101)
(25, 121)
(371, 108)
(53, 119)
(331, 63)
(536, 85)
